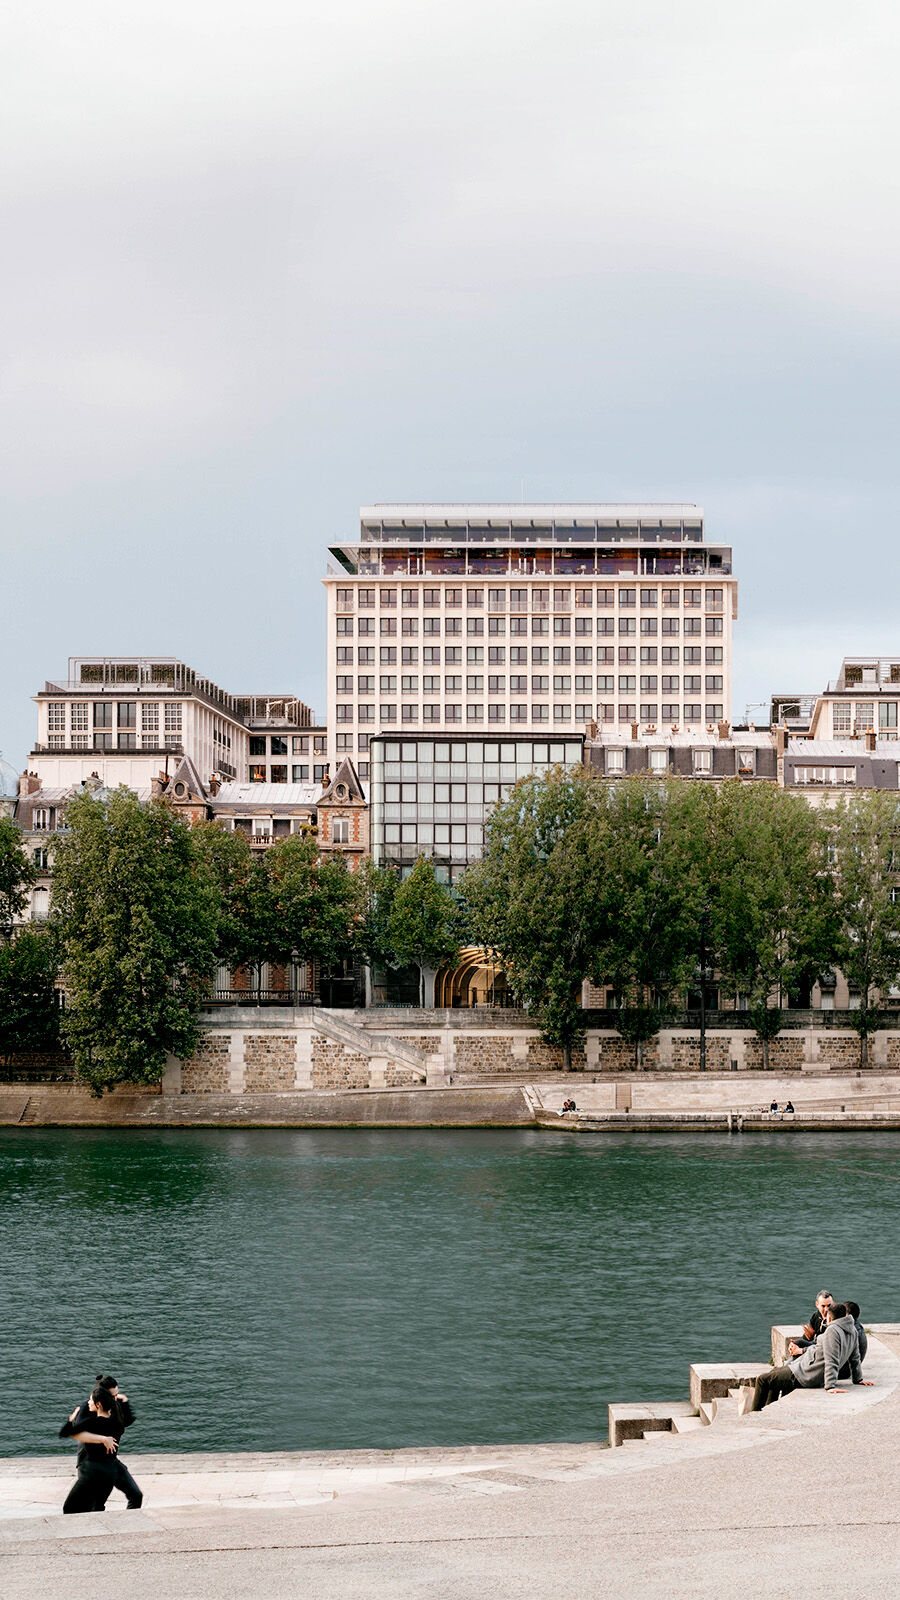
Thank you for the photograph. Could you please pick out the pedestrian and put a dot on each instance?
(94, 1429)
(123, 1416)
(817, 1367)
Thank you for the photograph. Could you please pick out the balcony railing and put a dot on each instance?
(261, 997)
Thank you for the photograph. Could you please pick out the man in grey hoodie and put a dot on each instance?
(815, 1368)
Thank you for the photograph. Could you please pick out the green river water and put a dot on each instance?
(297, 1289)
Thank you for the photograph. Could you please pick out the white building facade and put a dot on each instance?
(536, 619)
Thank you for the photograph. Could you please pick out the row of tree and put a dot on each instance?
(655, 888)
(146, 906)
(650, 887)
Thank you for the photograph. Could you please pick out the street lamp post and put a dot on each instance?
(295, 958)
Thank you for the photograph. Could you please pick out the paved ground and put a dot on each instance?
(801, 1498)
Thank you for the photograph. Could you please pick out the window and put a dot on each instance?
(452, 626)
(692, 625)
(648, 711)
(474, 683)
(388, 713)
(670, 625)
(649, 655)
(713, 625)
(825, 775)
(692, 597)
(702, 761)
(606, 712)
(320, 744)
(627, 713)
(431, 713)
(102, 714)
(475, 655)
(540, 714)
(562, 713)
(387, 655)
(540, 655)
(518, 713)
(366, 627)
(659, 760)
(713, 655)
(388, 597)
(409, 627)
(670, 683)
(320, 772)
(627, 655)
(43, 819)
(865, 716)
(670, 712)
(671, 655)
(714, 599)
(474, 597)
(584, 655)
(409, 683)
(626, 683)
(606, 683)
(453, 684)
(887, 716)
(474, 625)
(453, 597)
(540, 684)
(388, 627)
(79, 715)
(562, 683)
(692, 683)
(431, 683)
(626, 625)
(431, 655)
(453, 713)
(387, 683)
(584, 713)
(615, 760)
(345, 599)
(56, 716)
(583, 597)
(606, 626)
(409, 597)
(39, 857)
(431, 625)
(258, 772)
(257, 746)
(562, 625)
(278, 774)
(841, 717)
(692, 713)
(649, 683)
(627, 597)
(496, 684)
(540, 625)
(431, 597)
(452, 655)
(670, 597)
(366, 597)
(345, 713)
(365, 713)
(713, 683)
(409, 655)
(365, 683)
(692, 655)
(365, 655)
(278, 747)
(299, 746)
(345, 626)
(497, 626)
(648, 625)
(606, 597)
(518, 626)
(300, 774)
(584, 625)
(496, 713)
(497, 655)
(409, 713)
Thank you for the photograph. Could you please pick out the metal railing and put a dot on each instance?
(261, 997)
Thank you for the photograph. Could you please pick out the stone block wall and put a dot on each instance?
(842, 1050)
(397, 1076)
(786, 1053)
(484, 1053)
(208, 1071)
(617, 1055)
(549, 1058)
(270, 1062)
(334, 1066)
(686, 1053)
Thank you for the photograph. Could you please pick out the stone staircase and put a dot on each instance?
(715, 1392)
(369, 1043)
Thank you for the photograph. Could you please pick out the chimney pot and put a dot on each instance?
(870, 739)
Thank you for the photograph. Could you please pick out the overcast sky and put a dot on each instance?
(265, 262)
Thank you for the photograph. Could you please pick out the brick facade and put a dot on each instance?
(686, 1053)
(484, 1053)
(549, 1058)
(617, 1055)
(842, 1050)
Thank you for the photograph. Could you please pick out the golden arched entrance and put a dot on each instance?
(472, 980)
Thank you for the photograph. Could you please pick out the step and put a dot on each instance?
(705, 1413)
(631, 1422)
(687, 1424)
(723, 1409)
(713, 1380)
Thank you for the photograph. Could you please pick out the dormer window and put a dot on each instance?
(659, 760)
(340, 830)
(341, 791)
(615, 760)
(702, 762)
(746, 763)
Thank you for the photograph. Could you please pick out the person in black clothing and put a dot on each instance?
(95, 1431)
(816, 1324)
(123, 1417)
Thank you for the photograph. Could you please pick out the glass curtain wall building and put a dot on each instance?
(431, 797)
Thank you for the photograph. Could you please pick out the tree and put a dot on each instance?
(29, 1009)
(377, 888)
(772, 916)
(533, 899)
(424, 927)
(866, 840)
(243, 893)
(17, 874)
(136, 917)
(311, 904)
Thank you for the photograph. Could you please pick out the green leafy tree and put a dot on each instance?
(17, 874)
(772, 913)
(425, 923)
(136, 917)
(866, 840)
(311, 904)
(377, 887)
(29, 1010)
(245, 908)
(533, 899)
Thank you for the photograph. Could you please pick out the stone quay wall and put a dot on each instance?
(270, 1051)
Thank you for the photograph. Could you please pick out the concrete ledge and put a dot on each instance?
(633, 1421)
(715, 1380)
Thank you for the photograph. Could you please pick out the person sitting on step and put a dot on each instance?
(817, 1367)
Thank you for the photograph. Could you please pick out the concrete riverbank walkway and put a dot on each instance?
(768, 1506)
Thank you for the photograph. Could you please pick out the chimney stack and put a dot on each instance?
(634, 731)
(870, 738)
(724, 730)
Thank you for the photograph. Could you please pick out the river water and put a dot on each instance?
(297, 1289)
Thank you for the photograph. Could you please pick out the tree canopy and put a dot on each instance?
(17, 873)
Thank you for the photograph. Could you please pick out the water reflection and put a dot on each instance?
(393, 1287)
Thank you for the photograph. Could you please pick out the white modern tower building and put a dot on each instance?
(526, 618)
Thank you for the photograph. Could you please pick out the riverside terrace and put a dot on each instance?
(728, 1507)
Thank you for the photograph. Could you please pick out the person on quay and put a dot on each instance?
(815, 1325)
(817, 1367)
(123, 1417)
(93, 1427)
(862, 1338)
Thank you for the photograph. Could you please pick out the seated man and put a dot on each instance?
(862, 1338)
(817, 1367)
(815, 1325)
